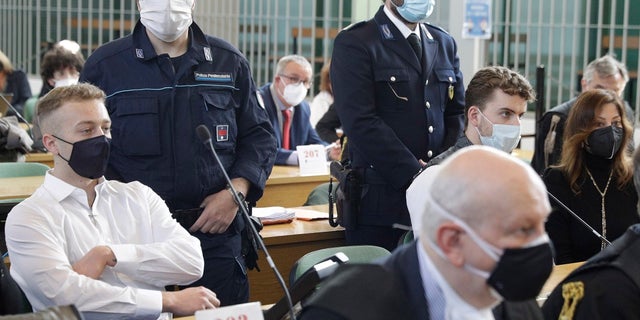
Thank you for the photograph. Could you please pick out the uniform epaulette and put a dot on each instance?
(355, 25)
(572, 292)
(436, 27)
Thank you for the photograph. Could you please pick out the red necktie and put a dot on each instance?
(286, 127)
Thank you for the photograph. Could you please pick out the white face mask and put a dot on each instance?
(505, 137)
(294, 93)
(166, 19)
(65, 82)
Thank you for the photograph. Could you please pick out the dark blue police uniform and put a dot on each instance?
(394, 110)
(301, 133)
(156, 102)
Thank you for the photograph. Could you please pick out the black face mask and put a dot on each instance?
(521, 273)
(604, 142)
(89, 157)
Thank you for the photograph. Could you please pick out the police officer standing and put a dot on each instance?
(399, 93)
(164, 80)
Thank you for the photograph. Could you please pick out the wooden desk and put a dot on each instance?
(44, 158)
(20, 187)
(557, 275)
(286, 188)
(286, 244)
(522, 154)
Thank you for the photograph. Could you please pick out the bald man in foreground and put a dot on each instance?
(484, 256)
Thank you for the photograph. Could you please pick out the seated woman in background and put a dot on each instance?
(593, 178)
(321, 102)
(61, 66)
(15, 82)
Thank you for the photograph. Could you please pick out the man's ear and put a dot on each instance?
(448, 239)
(583, 84)
(49, 142)
(472, 115)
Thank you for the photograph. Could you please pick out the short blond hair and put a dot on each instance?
(53, 100)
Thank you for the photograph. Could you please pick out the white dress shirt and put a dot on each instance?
(445, 303)
(55, 227)
(401, 26)
(319, 106)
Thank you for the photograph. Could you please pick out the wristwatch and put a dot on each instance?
(240, 195)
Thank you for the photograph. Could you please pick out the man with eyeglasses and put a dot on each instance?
(284, 100)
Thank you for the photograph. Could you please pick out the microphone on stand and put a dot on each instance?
(205, 136)
(575, 216)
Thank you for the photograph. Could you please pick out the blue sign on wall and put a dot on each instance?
(477, 19)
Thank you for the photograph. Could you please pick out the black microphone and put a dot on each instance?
(205, 136)
(603, 239)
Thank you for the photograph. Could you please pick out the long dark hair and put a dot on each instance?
(580, 124)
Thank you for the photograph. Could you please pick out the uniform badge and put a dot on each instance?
(572, 293)
(386, 32)
(260, 101)
(213, 76)
(450, 88)
(207, 54)
(222, 132)
(139, 53)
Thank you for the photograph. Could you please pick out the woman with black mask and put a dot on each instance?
(593, 178)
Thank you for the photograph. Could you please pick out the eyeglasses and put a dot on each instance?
(297, 81)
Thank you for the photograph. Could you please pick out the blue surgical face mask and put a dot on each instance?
(504, 137)
(416, 11)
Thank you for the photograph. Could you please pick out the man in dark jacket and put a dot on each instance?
(487, 247)
(163, 81)
(399, 94)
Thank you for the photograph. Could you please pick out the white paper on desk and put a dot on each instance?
(312, 160)
(272, 213)
(247, 311)
(306, 214)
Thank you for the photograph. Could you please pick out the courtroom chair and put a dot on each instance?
(406, 238)
(69, 312)
(12, 299)
(29, 109)
(22, 169)
(320, 194)
(303, 283)
(356, 254)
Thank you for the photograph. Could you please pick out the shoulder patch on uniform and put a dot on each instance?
(260, 101)
(572, 293)
(355, 25)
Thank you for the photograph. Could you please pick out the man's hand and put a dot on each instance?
(219, 209)
(93, 263)
(186, 302)
(335, 151)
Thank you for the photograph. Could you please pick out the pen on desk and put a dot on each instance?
(331, 146)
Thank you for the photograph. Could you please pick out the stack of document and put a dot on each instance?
(273, 215)
(308, 215)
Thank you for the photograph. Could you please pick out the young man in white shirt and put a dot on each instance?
(108, 247)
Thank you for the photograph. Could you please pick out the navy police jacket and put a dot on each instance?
(302, 133)
(394, 109)
(156, 102)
